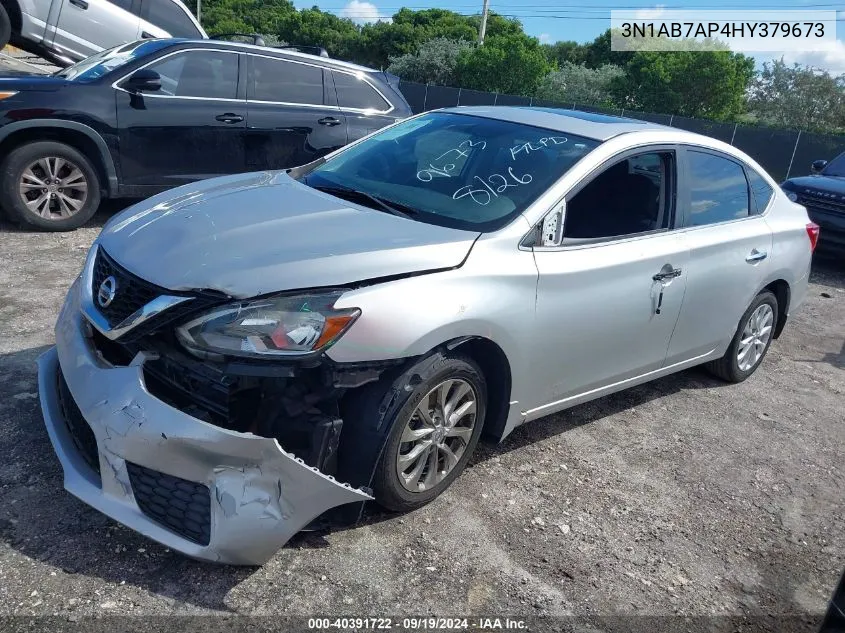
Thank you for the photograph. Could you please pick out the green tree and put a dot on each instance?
(581, 85)
(508, 64)
(568, 52)
(598, 53)
(799, 97)
(689, 83)
(243, 16)
(434, 62)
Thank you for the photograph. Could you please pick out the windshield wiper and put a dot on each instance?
(382, 204)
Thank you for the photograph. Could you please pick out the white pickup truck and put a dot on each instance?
(66, 31)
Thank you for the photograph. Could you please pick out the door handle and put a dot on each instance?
(756, 256)
(82, 4)
(329, 120)
(671, 274)
(229, 118)
(663, 277)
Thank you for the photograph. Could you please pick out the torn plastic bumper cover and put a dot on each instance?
(205, 491)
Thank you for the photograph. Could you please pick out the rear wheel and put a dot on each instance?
(50, 186)
(5, 27)
(750, 342)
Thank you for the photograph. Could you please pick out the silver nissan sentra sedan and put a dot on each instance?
(244, 355)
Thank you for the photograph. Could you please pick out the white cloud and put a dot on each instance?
(362, 12)
(650, 14)
(545, 38)
(831, 59)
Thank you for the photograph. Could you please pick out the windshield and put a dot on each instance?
(836, 167)
(102, 63)
(455, 170)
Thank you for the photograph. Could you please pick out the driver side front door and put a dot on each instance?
(608, 299)
(191, 129)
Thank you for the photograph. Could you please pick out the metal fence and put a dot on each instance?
(783, 153)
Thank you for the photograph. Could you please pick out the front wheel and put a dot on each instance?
(433, 434)
(750, 342)
(50, 186)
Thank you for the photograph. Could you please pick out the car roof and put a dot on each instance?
(599, 127)
(277, 52)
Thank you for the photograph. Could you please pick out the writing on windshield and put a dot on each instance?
(457, 169)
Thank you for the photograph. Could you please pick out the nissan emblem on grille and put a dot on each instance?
(105, 295)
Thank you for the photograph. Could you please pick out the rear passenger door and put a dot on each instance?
(85, 27)
(729, 243)
(365, 108)
(291, 119)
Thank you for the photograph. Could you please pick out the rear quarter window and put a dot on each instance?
(354, 92)
(761, 191)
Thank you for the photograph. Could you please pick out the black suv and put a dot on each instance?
(823, 194)
(147, 116)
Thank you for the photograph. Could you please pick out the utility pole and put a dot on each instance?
(483, 28)
(199, 11)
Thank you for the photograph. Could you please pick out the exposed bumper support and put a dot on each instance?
(260, 495)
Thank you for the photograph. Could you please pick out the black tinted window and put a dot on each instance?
(836, 167)
(353, 92)
(288, 82)
(123, 4)
(627, 198)
(209, 74)
(760, 189)
(718, 189)
(170, 17)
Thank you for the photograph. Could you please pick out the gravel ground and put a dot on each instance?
(685, 496)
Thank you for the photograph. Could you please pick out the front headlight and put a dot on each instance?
(791, 195)
(276, 326)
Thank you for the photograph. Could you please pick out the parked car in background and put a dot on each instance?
(241, 355)
(823, 194)
(147, 116)
(67, 31)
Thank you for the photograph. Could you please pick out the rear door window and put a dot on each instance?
(354, 92)
(718, 189)
(281, 81)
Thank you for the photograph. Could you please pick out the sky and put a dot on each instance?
(583, 20)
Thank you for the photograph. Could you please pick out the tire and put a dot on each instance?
(416, 385)
(729, 367)
(56, 202)
(5, 27)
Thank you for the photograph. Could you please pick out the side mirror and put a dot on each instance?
(551, 232)
(144, 80)
(818, 166)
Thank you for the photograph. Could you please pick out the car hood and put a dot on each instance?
(254, 234)
(23, 81)
(821, 183)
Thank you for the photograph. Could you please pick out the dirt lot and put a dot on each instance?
(685, 496)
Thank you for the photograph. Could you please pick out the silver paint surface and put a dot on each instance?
(574, 322)
(260, 495)
(252, 234)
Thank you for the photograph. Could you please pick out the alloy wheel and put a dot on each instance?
(755, 336)
(53, 188)
(436, 435)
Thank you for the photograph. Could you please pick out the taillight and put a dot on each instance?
(813, 234)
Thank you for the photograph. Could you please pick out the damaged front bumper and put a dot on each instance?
(200, 489)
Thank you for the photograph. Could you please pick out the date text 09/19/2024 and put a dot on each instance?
(416, 624)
